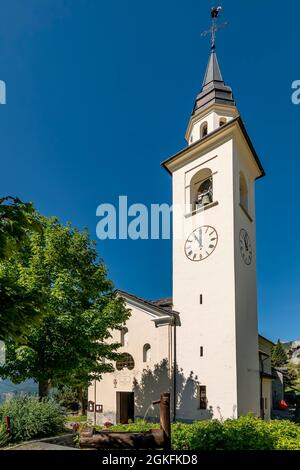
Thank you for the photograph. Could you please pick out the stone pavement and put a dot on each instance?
(41, 446)
(62, 442)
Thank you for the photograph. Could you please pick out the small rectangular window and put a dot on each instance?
(202, 397)
(266, 403)
(201, 299)
(201, 351)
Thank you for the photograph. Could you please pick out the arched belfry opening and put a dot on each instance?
(203, 130)
(244, 199)
(201, 189)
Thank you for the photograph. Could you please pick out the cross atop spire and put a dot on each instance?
(215, 26)
(213, 89)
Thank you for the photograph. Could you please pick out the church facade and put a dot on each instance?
(203, 344)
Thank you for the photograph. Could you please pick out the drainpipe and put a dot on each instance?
(95, 399)
(262, 411)
(262, 407)
(175, 373)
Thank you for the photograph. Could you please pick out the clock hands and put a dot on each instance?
(200, 239)
(246, 240)
(201, 243)
(245, 246)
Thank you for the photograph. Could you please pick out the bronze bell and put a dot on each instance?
(205, 200)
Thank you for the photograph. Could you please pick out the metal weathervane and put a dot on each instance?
(215, 11)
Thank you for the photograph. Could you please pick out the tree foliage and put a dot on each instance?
(292, 377)
(20, 305)
(279, 356)
(72, 341)
(17, 219)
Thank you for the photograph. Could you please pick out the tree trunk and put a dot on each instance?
(82, 401)
(44, 387)
(297, 412)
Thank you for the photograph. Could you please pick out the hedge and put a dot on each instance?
(245, 433)
(31, 418)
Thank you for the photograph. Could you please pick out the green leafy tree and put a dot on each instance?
(68, 398)
(17, 219)
(20, 305)
(82, 308)
(292, 377)
(279, 357)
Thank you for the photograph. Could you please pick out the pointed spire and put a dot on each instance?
(214, 90)
(213, 72)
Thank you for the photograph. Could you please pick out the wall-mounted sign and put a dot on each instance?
(99, 408)
(91, 406)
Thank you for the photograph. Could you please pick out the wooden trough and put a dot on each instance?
(153, 439)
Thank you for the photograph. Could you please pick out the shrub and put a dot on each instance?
(4, 436)
(200, 435)
(31, 418)
(245, 433)
(67, 398)
(286, 435)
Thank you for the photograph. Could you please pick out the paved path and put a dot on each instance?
(41, 446)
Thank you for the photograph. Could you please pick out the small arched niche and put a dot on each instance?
(203, 130)
(201, 189)
(244, 192)
(147, 353)
(124, 336)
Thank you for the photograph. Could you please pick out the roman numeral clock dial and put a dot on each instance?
(201, 243)
(245, 247)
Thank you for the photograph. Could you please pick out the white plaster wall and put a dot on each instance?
(146, 380)
(267, 398)
(245, 288)
(266, 347)
(211, 325)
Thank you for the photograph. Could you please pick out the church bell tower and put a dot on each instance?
(214, 257)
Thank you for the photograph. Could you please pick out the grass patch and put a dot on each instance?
(76, 419)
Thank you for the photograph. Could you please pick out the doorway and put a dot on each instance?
(125, 407)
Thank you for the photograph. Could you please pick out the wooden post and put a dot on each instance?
(297, 412)
(165, 419)
(7, 424)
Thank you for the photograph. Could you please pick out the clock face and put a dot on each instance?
(245, 247)
(201, 243)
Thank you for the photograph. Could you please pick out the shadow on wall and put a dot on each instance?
(161, 379)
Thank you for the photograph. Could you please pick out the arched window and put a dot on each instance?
(222, 122)
(201, 189)
(203, 130)
(125, 362)
(147, 353)
(124, 336)
(243, 192)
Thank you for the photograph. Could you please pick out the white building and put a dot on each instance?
(202, 345)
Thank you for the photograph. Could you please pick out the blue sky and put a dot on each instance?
(100, 92)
